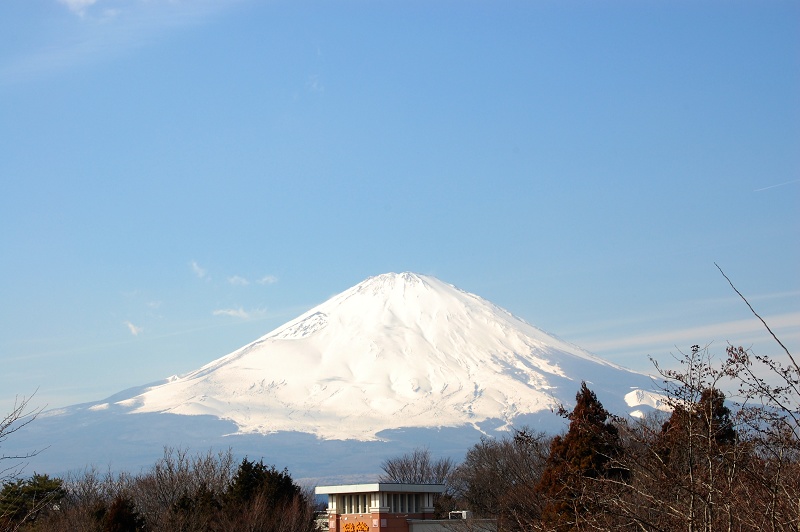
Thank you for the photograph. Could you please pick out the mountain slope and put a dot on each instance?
(393, 363)
(395, 351)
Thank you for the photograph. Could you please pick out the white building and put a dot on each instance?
(387, 507)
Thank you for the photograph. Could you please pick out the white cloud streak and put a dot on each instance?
(778, 185)
(200, 272)
(238, 281)
(730, 330)
(232, 312)
(136, 331)
(268, 279)
(100, 30)
(78, 6)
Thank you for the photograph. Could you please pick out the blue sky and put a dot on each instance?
(178, 178)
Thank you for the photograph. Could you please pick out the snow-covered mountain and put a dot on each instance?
(394, 354)
(397, 350)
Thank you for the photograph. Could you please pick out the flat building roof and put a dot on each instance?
(386, 487)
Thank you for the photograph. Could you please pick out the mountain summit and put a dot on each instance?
(394, 351)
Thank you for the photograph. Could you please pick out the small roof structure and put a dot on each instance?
(384, 487)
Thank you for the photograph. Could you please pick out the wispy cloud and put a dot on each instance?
(101, 30)
(199, 271)
(77, 6)
(314, 84)
(773, 295)
(233, 312)
(730, 330)
(268, 279)
(241, 313)
(778, 185)
(136, 331)
(238, 281)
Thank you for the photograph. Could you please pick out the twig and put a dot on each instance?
(759, 317)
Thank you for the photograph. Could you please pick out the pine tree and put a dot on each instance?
(122, 516)
(255, 479)
(698, 451)
(263, 499)
(707, 423)
(586, 451)
(25, 500)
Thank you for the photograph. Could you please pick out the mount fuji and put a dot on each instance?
(397, 361)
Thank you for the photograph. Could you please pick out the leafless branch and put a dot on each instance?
(20, 416)
(758, 316)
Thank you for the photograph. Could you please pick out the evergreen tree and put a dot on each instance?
(263, 499)
(586, 451)
(122, 516)
(698, 452)
(198, 510)
(254, 479)
(708, 422)
(24, 500)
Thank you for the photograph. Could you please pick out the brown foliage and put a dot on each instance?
(708, 466)
(587, 451)
(179, 493)
(497, 478)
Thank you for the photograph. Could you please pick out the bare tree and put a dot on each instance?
(783, 398)
(21, 415)
(498, 478)
(417, 467)
(683, 472)
(177, 482)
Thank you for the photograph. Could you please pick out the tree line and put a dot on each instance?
(708, 465)
(181, 492)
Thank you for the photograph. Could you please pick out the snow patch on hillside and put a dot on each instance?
(654, 400)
